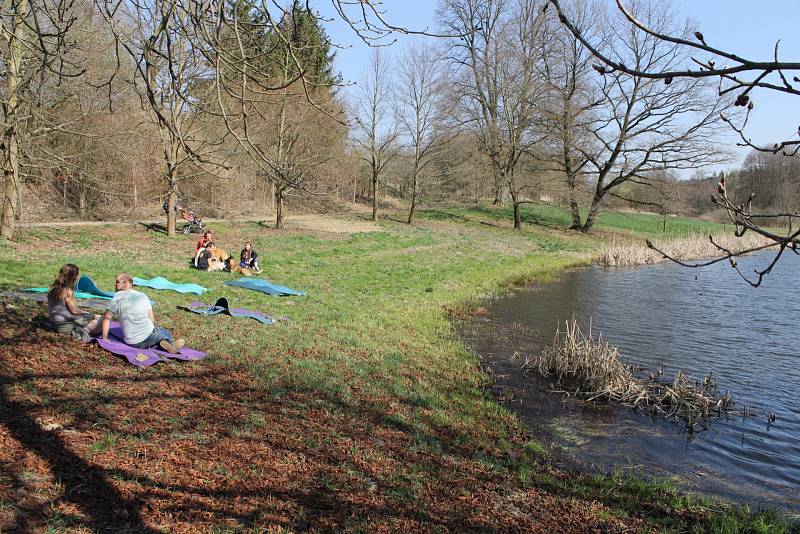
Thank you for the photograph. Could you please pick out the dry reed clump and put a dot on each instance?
(691, 247)
(591, 369)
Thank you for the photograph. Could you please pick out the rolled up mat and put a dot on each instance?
(87, 285)
(159, 282)
(264, 286)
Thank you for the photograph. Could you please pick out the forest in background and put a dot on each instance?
(111, 108)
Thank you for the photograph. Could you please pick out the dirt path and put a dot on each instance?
(336, 223)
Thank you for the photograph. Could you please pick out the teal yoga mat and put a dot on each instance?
(76, 294)
(84, 289)
(87, 285)
(159, 282)
(264, 286)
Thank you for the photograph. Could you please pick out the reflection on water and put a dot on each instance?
(696, 321)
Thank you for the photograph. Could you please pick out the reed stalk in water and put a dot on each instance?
(591, 369)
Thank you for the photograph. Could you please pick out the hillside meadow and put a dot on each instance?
(361, 413)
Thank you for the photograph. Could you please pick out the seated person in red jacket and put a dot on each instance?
(204, 241)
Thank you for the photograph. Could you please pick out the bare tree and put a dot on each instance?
(33, 44)
(643, 126)
(736, 75)
(496, 60)
(520, 89)
(423, 108)
(727, 66)
(376, 133)
(173, 77)
(568, 107)
(475, 53)
(298, 141)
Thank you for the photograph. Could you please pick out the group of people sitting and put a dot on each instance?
(208, 257)
(130, 307)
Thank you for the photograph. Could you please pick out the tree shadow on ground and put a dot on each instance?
(527, 216)
(84, 484)
(154, 227)
(441, 215)
(88, 441)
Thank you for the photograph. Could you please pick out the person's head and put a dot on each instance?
(123, 282)
(207, 234)
(66, 279)
(211, 245)
(247, 246)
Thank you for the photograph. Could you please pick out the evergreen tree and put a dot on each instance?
(309, 45)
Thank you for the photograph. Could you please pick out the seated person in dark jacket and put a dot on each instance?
(205, 256)
(249, 258)
(212, 258)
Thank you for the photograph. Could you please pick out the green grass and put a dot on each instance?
(558, 217)
(374, 323)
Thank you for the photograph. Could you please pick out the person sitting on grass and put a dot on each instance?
(212, 258)
(203, 241)
(204, 256)
(249, 258)
(63, 314)
(135, 315)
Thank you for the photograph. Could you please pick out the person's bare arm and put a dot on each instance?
(106, 323)
(72, 306)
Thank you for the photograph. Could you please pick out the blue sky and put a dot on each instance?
(747, 28)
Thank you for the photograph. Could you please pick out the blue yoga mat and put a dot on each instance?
(87, 285)
(222, 307)
(159, 282)
(264, 286)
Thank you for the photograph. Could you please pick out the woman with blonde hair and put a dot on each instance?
(63, 313)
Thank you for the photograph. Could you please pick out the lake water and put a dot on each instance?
(693, 320)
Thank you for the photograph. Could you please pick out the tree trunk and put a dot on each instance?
(172, 177)
(82, 202)
(374, 196)
(10, 172)
(413, 195)
(500, 195)
(573, 202)
(590, 218)
(279, 215)
(517, 218)
(10, 133)
(574, 209)
(501, 192)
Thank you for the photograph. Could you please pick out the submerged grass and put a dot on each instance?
(372, 335)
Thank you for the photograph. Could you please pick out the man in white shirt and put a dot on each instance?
(135, 314)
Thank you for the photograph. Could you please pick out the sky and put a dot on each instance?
(749, 29)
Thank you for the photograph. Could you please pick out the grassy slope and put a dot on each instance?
(373, 332)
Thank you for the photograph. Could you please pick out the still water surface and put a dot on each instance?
(694, 320)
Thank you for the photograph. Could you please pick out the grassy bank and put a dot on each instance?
(363, 413)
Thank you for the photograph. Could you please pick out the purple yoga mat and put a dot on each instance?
(143, 357)
(137, 357)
